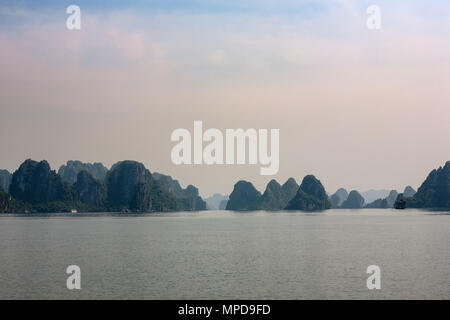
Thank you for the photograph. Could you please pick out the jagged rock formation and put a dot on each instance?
(391, 198)
(354, 201)
(130, 186)
(70, 170)
(187, 199)
(122, 180)
(276, 197)
(400, 203)
(192, 201)
(378, 204)
(408, 192)
(5, 180)
(244, 197)
(289, 188)
(5, 202)
(372, 195)
(272, 198)
(34, 182)
(90, 190)
(213, 202)
(434, 191)
(335, 201)
(311, 196)
(338, 197)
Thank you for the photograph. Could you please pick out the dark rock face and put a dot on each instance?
(192, 201)
(34, 182)
(354, 201)
(289, 188)
(311, 196)
(244, 197)
(400, 203)
(5, 180)
(434, 191)
(276, 197)
(70, 170)
(5, 202)
(409, 192)
(391, 198)
(170, 185)
(272, 199)
(122, 180)
(378, 204)
(130, 186)
(338, 197)
(89, 189)
(187, 199)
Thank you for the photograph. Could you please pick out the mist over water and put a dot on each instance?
(227, 255)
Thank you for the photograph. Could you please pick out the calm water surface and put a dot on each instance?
(227, 255)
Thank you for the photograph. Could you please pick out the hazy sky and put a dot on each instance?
(358, 108)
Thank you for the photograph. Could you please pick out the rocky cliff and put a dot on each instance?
(311, 196)
(244, 197)
(70, 170)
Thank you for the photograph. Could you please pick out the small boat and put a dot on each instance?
(73, 211)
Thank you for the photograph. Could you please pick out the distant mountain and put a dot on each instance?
(338, 197)
(311, 196)
(372, 195)
(354, 201)
(70, 170)
(5, 180)
(433, 193)
(378, 204)
(387, 202)
(187, 199)
(244, 197)
(409, 192)
(223, 205)
(391, 198)
(213, 202)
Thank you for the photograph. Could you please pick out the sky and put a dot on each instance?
(358, 108)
